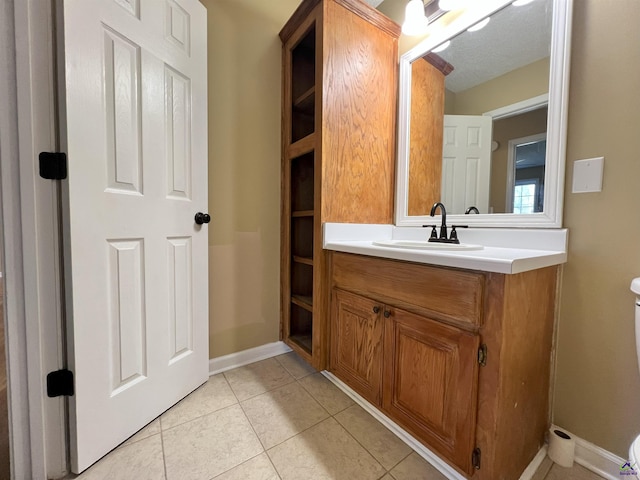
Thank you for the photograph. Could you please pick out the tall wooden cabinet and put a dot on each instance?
(338, 148)
(428, 75)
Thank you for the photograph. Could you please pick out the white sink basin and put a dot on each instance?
(424, 245)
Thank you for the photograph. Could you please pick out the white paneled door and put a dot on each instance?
(466, 162)
(135, 113)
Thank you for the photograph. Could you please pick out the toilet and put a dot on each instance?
(634, 449)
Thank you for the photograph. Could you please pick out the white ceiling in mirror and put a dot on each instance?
(486, 55)
(374, 3)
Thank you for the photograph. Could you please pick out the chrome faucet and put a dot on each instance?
(442, 238)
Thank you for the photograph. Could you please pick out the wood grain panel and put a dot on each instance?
(425, 140)
(408, 284)
(302, 14)
(356, 343)
(431, 380)
(373, 16)
(514, 386)
(423, 395)
(358, 121)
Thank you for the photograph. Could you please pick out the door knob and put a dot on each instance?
(202, 218)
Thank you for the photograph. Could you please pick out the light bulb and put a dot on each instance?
(479, 25)
(442, 47)
(415, 21)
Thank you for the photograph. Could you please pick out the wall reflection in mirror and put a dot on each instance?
(478, 116)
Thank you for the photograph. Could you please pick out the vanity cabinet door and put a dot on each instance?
(356, 343)
(431, 383)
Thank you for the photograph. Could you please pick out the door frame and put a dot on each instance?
(511, 163)
(29, 243)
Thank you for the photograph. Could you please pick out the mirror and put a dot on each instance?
(482, 122)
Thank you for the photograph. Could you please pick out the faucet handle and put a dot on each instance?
(434, 234)
(454, 234)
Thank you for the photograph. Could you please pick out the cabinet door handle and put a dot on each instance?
(387, 313)
(376, 309)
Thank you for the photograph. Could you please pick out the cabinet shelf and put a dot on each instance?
(304, 145)
(304, 260)
(302, 213)
(303, 341)
(303, 301)
(305, 103)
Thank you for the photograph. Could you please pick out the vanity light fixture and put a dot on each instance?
(415, 20)
(519, 3)
(479, 25)
(442, 47)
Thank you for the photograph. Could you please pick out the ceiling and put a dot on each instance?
(514, 37)
(374, 3)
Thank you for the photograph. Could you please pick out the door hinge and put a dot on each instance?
(60, 383)
(53, 165)
(482, 355)
(475, 458)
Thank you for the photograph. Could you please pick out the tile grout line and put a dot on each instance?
(350, 434)
(261, 393)
(164, 459)
(298, 433)
(226, 380)
(359, 443)
(236, 466)
(403, 458)
(310, 393)
(252, 427)
(273, 465)
(264, 450)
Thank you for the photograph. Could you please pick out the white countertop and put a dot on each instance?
(505, 250)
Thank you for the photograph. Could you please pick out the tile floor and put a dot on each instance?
(274, 419)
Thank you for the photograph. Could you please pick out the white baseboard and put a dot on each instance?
(444, 468)
(245, 357)
(591, 457)
(596, 459)
(531, 470)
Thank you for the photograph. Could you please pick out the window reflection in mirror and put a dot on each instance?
(525, 174)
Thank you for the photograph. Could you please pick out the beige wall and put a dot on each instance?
(244, 171)
(512, 87)
(597, 384)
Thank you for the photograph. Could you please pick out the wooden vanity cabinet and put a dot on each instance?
(460, 359)
(357, 334)
(339, 89)
(430, 383)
